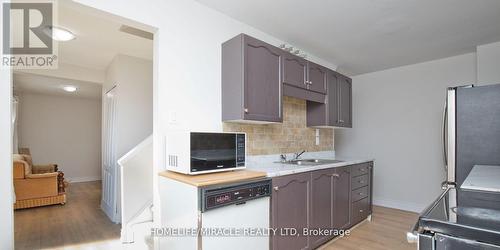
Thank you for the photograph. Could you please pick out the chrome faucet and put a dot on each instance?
(297, 155)
(283, 157)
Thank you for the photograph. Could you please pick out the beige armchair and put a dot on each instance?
(37, 185)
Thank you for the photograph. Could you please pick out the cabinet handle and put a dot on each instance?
(310, 82)
(341, 121)
(362, 169)
(361, 210)
(335, 175)
(246, 110)
(276, 188)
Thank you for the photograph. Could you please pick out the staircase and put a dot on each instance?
(136, 177)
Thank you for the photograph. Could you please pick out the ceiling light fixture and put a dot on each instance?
(59, 34)
(70, 88)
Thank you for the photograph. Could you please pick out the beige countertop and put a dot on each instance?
(273, 169)
(203, 180)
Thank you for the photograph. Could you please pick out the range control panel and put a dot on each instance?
(234, 194)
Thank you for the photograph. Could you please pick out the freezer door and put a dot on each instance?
(477, 129)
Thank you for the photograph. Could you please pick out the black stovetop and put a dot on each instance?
(462, 219)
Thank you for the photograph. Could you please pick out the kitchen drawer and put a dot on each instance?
(359, 181)
(359, 193)
(360, 169)
(360, 210)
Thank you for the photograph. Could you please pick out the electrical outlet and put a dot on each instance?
(317, 136)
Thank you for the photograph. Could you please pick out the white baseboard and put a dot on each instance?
(83, 179)
(402, 205)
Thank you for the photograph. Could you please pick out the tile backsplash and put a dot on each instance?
(288, 137)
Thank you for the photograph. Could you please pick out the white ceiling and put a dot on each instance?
(38, 84)
(98, 41)
(98, 38)
(369, 35)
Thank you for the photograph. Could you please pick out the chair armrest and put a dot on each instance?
(36, 186)
(41, 169)
(39, 176)
(19, 169)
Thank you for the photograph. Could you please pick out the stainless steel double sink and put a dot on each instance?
(310, 162)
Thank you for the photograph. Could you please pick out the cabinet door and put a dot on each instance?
(262, 74)
(370, 187)
(333, 99)
(321, 215)
(345, 101)
(294, 70)
(317, 77)
(290, 209)
(342, 198)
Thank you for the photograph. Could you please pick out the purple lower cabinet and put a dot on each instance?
(322, 204)
(290, 211)
(329, 199)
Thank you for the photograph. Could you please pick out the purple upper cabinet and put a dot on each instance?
(294, 71)
(316, 78)
(337, 111)
(251, 81)
(345, 101)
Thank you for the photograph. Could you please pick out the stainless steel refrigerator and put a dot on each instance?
(467, 214)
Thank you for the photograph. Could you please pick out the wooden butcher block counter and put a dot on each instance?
(210, 179)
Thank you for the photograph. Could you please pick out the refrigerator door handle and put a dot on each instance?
(444, 135)
(451, 136)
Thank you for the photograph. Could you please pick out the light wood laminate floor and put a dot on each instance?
(386, 231)
(80, 224)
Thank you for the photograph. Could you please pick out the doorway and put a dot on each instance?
(114, 56)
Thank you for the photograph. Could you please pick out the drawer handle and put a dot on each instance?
(360, 193)
(361, 210)
(335, 175)
(276, 188)
(362, 169)
(361, 182)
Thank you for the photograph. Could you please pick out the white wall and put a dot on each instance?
(6, 186)
(488, 63)
(62, 130)
(134, 104)
(70, 71)
(397, 118)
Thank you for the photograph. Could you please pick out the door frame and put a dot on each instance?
(6, 180)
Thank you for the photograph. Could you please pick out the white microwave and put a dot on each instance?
(205, 152)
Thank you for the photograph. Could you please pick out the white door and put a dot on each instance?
(109, 164)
